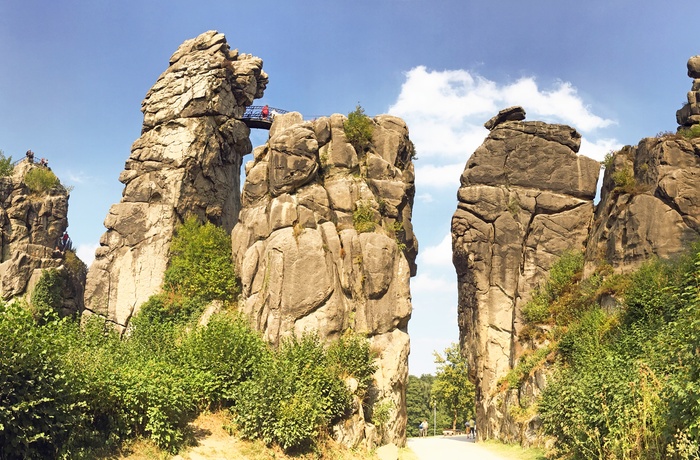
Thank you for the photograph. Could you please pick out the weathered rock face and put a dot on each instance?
(303, 264)
(525, 198)
(31, 225)
(187, 161)
(650, 203)
(689, 114)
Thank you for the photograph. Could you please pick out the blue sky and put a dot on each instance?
(73, 75)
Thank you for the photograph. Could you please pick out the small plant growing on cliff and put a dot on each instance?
(6, 167)
(358, 130)
(624, 180)
(41, 180)
(363, 218)
(691, 133)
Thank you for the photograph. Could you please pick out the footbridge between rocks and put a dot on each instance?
(256, 117)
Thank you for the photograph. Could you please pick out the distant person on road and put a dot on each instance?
(265, 112)
(420, 430)
(425, 428)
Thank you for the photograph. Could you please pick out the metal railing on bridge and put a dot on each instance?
(255, 117)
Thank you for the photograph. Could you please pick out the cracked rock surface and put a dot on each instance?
(186, 162)
(525, 198)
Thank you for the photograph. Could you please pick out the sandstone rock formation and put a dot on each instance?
(525, 198)
(689, 114)
(324, 244)
(187, 161)
(650, 203)
(30, 225)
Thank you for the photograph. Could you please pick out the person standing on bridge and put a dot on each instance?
(265, 112)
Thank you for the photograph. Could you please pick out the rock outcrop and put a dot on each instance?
(187, 161)
(31, 223)
(649, 204)
(324, 244)
(525, 198)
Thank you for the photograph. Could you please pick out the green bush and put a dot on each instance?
(358, 130)
(628, 385)
(41, 180)
(624, 180)
(6, 167)
(47, 297)
(200, 263)
(690, 133)
(563, 278)
(309, 391)
(363, 218)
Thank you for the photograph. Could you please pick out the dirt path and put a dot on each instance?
(449, 448)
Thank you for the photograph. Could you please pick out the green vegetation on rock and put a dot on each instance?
(358, 130)
(6, 166)
(627, 381)
(41, 180)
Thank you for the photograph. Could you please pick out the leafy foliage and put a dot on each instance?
(563, 278)
(690, 133)
(358, 130)
(6, 167)
(628, 383)
(200, 264)
(68, 391)
(47, 297)
(364, 218)
(41, 180)
(452, 388)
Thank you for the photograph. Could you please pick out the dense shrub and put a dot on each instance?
(200, 263)
(38, 405)
(563, 278)
(309, 391)
(628, 385)
(68, 391)
(358, 130)
(48, 293)
(40, 180)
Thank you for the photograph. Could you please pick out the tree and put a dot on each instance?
(6, 166)
(452, 389)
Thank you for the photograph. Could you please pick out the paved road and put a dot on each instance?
(449, 448)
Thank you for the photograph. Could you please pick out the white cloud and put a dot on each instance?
(438, 255)
(446, 110)
(427, 282)
(425, 198)
(86, 252)
(442, 177)
(599, 148)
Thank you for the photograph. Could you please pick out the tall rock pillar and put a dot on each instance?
(324, 244)
(187, 161)
(525, 198)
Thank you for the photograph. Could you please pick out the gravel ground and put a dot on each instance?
(449, 448)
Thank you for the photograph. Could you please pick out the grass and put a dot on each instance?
(513, 451)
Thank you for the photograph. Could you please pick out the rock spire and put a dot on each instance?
(324, 244)
(525, 198)
(187, 161)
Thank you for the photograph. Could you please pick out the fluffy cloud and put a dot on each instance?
(440, 254)
(446, 110)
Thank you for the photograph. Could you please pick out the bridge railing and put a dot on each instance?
(254, 112)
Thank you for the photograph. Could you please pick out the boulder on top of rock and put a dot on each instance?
(694, 67)
(515, 113)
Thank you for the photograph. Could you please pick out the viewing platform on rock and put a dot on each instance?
(253, 116)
